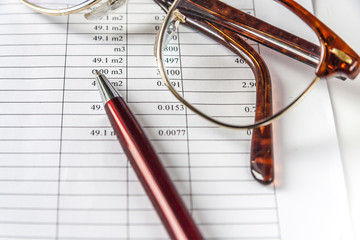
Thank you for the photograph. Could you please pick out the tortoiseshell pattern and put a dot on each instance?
(225, 24)
(337, 57)
(261, 156)
(249, 26)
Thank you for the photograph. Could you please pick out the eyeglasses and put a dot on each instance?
(238, 100)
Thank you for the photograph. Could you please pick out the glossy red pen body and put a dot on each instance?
(147, 166)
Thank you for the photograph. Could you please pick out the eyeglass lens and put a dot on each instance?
(56, 4)
(229, 94)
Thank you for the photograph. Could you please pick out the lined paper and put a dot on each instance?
(63, 174)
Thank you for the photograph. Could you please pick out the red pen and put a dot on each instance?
(147, 166)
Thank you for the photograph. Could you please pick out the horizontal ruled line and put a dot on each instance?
(132, 209)
(132, 223)
(124, 180)
(130, 195)
(115, 140)
(116, 153)
(117, 167)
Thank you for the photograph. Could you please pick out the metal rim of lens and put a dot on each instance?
(63, 11)
(263, 122)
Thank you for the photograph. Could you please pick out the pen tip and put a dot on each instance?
(107, 90)
(97, 72)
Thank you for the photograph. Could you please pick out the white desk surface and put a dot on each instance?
(344, 18)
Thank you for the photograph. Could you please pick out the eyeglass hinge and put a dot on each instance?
(179, 16)
(342, 55)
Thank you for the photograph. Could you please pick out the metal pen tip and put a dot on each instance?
(106, 89)
(97, 73)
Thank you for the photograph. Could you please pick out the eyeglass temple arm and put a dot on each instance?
(261, 156)
(337, 58)
(251, 27)
(334, 57)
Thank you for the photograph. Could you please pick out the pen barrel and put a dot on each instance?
(151, 173)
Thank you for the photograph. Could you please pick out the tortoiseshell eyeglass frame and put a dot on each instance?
(226, 25)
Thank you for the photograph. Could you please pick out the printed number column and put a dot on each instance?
(159, 113)
(93, 167)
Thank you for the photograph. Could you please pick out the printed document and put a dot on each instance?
(63, 174)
